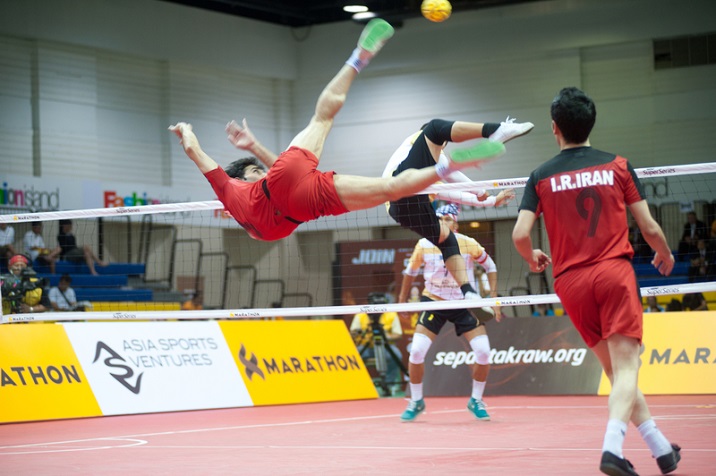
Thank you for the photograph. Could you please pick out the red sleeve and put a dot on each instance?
(217, 178)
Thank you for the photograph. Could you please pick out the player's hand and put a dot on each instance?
(504, 197)
(240, 136)
(185, 133)
(540, 261)
(662, 264)
(498, 313)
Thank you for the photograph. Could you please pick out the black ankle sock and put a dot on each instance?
(467, 288)
(489, 128)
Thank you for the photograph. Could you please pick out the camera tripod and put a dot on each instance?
(380, 349)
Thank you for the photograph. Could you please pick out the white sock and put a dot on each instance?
(614, 437)
(443, 167)
(416, 391)
(358, 63)
(654, 438)
(478, 388)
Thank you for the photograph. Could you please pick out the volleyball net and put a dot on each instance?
(163, 258)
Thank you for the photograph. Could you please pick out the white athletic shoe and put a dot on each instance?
(482, 314)
(509, 129)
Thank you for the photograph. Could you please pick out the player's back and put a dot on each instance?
(583, 194)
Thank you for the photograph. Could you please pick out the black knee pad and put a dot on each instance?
(438, 130)
(449, 247)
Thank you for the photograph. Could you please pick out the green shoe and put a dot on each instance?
(477, 408)
(374, 35)
(414, 409)
(481, 152)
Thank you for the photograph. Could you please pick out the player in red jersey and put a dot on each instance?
(270, 205)
(583, 194)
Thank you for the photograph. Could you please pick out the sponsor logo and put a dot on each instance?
(386, 256)
(153, 354)
(662, 291)
(657, 171)
(111, 200)
(670, 356)
(575, 357)
(251, 365)
(123, 315)
(368, 309)
(266, 366)
(39, 375)
(29, 198)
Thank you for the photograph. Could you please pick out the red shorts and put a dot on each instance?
(299, 190)
(601, 300)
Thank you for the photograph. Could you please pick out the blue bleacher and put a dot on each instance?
(113, 294)
(110, 285)
(648, 276)
(89, 281)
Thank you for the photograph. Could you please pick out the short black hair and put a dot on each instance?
(237, 168)
(66, 278)
(65, 221)
(574, 113)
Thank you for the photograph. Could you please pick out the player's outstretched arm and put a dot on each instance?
(483, 201)
(193, 150)
(242, 138)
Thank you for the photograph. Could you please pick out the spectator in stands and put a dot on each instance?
(194, 303)
(713, 231)
(694, 230)
(542, 310)
(652, 305)
(62, 297)
(674, 306)
(703, 262)
(695, 302)
(22, 291)
(7, 238)
(37, 251)
(74, 254)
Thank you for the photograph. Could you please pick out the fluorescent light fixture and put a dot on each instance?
(363, 16)
(355, 8)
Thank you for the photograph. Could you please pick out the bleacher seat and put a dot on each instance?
(89, 281)
(113, 294)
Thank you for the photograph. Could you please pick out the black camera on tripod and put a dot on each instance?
(15, 289)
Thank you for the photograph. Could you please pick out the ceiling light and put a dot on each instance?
(363, 16)
(355, 8)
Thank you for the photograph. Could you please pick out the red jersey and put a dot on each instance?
(248, 204)
(582, 194)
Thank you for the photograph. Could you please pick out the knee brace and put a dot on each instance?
(481, 347)
(419, 348)
(438, 130)
(449, 247)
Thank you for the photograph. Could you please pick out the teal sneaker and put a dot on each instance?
(477, 408)
(484, 151)
(374, 35)
(414, 409)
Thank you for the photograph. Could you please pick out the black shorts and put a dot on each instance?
(416, 212)
(463, 320)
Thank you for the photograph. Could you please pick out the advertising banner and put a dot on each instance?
(298, 361)
(40, 375)
(528, 357)
(142, 367)
(678, 355)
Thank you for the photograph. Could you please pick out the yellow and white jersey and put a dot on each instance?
(439, 283)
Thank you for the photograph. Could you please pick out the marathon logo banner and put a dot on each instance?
(143, 367)
(678, 355)
(298, 361)
(40, 376)
(528, 357)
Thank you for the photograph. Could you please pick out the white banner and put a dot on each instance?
(143, 367)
